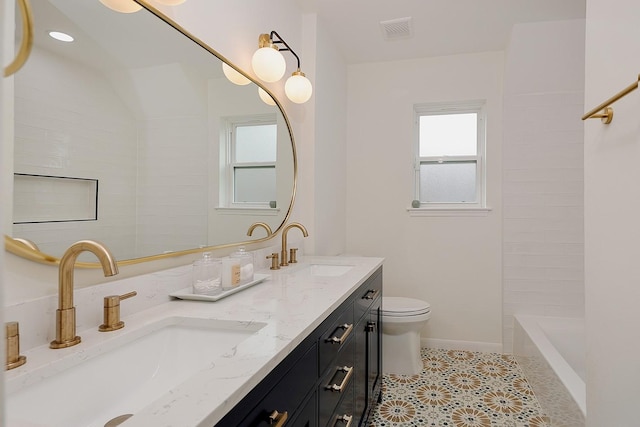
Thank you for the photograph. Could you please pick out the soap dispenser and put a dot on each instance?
(207, 275)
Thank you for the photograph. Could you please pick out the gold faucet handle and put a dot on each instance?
(274, 261)
(292, 255)
(14, 359)
(112, 320)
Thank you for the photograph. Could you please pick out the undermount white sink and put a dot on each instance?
(329, 270)
(124, 376)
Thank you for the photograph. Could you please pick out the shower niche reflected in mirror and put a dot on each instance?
(145, 112)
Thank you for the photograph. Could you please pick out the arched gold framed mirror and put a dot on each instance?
(128, 135)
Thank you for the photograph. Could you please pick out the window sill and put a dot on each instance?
(462, 211)
(248, 211)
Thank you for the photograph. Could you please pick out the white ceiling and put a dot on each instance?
(440, 27)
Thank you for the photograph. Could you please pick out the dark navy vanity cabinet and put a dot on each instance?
(333, 378)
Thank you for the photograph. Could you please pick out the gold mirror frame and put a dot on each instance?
(23, 250)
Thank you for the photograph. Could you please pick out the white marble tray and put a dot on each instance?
(187, 293)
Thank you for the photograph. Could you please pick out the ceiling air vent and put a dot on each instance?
(395, 29)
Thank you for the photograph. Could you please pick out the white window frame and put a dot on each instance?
(228, 188)
(421, 208)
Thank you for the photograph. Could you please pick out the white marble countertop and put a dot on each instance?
(291, 303)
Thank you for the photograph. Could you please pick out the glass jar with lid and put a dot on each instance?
(246, 264)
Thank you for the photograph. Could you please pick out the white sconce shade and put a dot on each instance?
(266, 98)
(298, 88)
(170, 2)
(122, 6)
(234, 76)
(268, 64)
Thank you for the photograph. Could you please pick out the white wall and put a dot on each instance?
(612, 228)
(330, 130)
(454, 263)
(543, 234)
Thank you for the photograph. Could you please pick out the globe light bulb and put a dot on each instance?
(266, 98)
(268, 64)
(298, 88)
(122, 6)
(234, 76)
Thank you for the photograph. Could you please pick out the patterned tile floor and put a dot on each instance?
(459, 388)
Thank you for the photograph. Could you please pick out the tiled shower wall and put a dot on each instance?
(86, 126)
(69, 123)
(543, 197)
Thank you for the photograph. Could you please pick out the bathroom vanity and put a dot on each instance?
(332, 378)
(300, 348)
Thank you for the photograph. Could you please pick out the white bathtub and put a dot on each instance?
(551, 352)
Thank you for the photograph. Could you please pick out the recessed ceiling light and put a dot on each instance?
(63, 37)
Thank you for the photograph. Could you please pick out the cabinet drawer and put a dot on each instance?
(344, 416)
(288, 393)
(367, 293)
(336, 383)
(335, 337)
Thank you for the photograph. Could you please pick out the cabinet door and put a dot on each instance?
(307, 416)
(361, 376)
(374, 353)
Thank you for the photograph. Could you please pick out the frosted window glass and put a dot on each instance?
(452, 182)
(449, 135)
(256, 143)
(255, 184)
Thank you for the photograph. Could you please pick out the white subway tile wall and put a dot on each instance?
(82, 127)
(543, 236)
(543, 164)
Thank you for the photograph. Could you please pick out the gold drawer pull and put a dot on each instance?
(347, 330)
(369, 296)
(27, 39)
(345, 419)
(340, 388)
(278, 419)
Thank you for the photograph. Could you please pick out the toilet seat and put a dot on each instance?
(404, 307)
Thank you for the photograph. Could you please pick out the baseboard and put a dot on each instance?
(484, 347)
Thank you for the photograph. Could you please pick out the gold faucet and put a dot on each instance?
(283, 253)
(12, 345)
(66, 312)
(259, 224)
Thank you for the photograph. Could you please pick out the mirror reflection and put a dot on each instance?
(140, 142)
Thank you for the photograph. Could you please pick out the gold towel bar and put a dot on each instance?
(607, 112)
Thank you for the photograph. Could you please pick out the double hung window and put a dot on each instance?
(251, 162)
(449, 165)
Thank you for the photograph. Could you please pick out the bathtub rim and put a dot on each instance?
(567, 375)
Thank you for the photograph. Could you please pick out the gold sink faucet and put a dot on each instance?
(66, 312)
(283, 253)
(259, 224)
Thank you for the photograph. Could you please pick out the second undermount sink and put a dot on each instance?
(125, 377)
(329, 270)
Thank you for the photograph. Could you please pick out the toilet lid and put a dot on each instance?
(401, 306)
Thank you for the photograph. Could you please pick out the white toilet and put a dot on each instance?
(402, 321)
